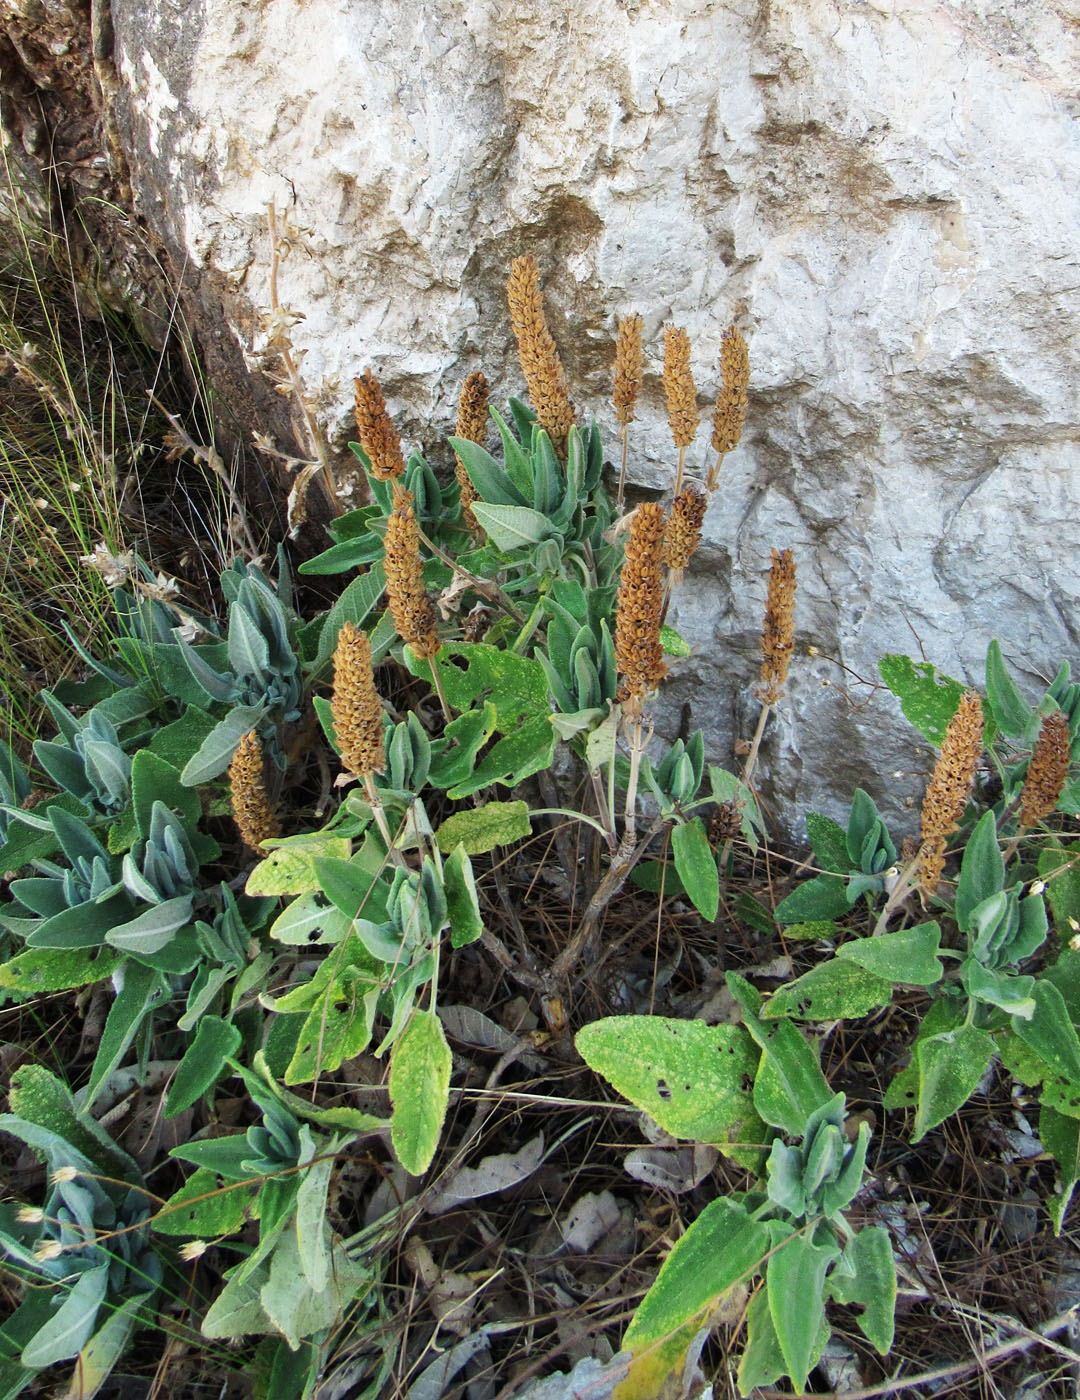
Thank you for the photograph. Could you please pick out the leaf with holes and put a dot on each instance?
(834, 990)
(928, 697)
(695, 1081)
(910, 955)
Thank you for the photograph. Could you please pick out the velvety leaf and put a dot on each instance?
(57, 969)
(762, 1361)
(354, 605)
(203, 1063)
(828, 841)
(512, 759)
(823, 897)
(481, 829)
(790, 1085)
(1050, 1032)
(873, 1286)
(155, 779)
(39, 1097)
(237, 1310)
(178, 742)
(1062, 890)
(672, 643)
(694, 1080)
(908, 956)
(312, 1231)
(830, 991)
(141, 992)
(982, 870)
(217, 749)
(1060, 1136)
(722, 1248)
(928, 697)
(696, 865)
(309, 920)
(290, 868)
(1012, 713)
(338, 1027)
(949, 1066)
(512, 527)
(419, 1091)
(795, 1282)
(208, 1206)
(462, 901)
(70, 1326)
(302, 1312)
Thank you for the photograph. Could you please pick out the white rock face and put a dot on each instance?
(885, 197)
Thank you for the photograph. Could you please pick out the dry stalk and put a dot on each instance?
(253, 811)
(730, 412)
(539, 358)
(375, 429)
(681, 394)
(629, 372)
(472, 416)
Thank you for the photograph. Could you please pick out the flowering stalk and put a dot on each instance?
(730, 411)
(539, 358)
(629, 370)
(682, 535)
(472, 425)
(358, 722)
(375, 430)
(680, 393)
(1046, 775)
(410, 607)
(253, 811)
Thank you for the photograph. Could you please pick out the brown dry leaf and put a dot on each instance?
(674, 1169)
(450, 1296)
(588, 1220)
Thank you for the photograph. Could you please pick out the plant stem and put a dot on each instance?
(527, 632)
(622, 469)
(751, 760)
(378, 811)
(602, 807)
(482, 586)
(679, 472)
(439, 691)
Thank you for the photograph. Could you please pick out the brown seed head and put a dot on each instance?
(539, 358)
(375, 429)
(949, 787)
(683, 531)
(355, 704)
(730, 411)
(1047, 771)
(411, 608)
(629, 368)
(778, 632)
(639, 606)
(679, 386)
(472, 425)
(253, 811)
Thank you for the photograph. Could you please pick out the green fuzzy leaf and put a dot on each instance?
(657, 877)
(762, 1361)
(948, 1068)
(828, 841)
(349, 554)
(141, 992)
(40, 970)
(353, 886)
(812, 930)
(672, 643)
(462, 901)
(488, 477)
(149, 932)
(1060, 1135)
(722, 1248)
(419, 1091)
(311, 1227)
(513, 759)
(299, 1312)
(465, 737)
(208, 1206)
(217, 749)
(1012, 713)
(290, 866)
(515, 685)
(795, 1282)
(823, 897)
(71, 1325)
(484, 828)
(309, 920)
(790, 1086)
(694, 1080)
(982, 870)
(38, 1097)
(928, 697)
(26, 842)
(1062, 890)
(178, 742)
(1050, 1032)
(834, 990)
(909, 955)
(354, 605)
(696, 865)
(872, 1286)
(512, 527)
(203, 1063)
(338, 1027)
(153, 779)
(237, 1310)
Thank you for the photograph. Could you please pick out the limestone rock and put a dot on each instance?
(884, 198)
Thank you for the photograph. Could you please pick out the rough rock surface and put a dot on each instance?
(885, 197)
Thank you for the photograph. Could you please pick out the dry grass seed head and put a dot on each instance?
(253, 811)
(411, 608)
(629, 368)
(375, 429)
(639, 605)
(682, 534)
(472, 416)
(540, 364)
(355, 704)
(679, 387)
(949, 787)
(730, 412)
(1047, 771)
(778, 631)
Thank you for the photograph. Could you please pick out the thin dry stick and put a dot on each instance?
(315, 442)
(681, 394)
(629, 371)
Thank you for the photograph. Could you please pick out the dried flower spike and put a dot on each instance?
(629, 368)
(375, 429)
(949, 787)
(411, 608)
(682, 533)
(355, 704)
(539, 358)
(679, 387)
(639, 606)
(778, 632)
(472, 416)
(253, 811)
(1047, 771)
(730, 411)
